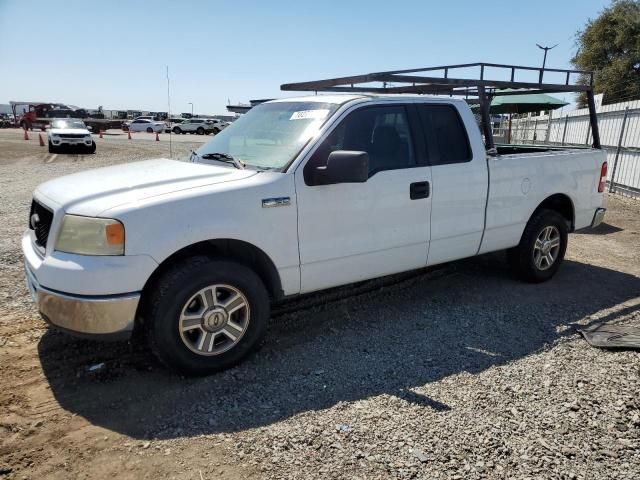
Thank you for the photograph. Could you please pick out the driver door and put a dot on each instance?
(356, 231)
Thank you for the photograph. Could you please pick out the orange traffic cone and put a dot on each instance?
(26, 135)
(100, 136)
(129, 134)
(157, 137)
(41, 140)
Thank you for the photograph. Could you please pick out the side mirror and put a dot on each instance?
(344, 166)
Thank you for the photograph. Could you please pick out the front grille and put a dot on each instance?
(71, 135)
(40, 219)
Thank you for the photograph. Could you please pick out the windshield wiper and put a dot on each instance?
(223, 157)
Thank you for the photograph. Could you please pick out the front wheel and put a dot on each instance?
(92, 148)
(200, 131)
(542, 247)
(52, 149)
(149, 130)
(206, 315)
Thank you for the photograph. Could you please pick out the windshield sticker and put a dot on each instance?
(310, 114)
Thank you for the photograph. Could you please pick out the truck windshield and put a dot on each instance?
(270, 135)
(68, 124)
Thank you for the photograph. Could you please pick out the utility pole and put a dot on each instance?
(191, 108)
(544, 60)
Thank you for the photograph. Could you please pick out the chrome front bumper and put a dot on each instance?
(598, 217)
(108, 317)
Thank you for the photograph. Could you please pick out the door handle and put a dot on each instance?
(419, 190)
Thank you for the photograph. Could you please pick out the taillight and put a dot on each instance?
(603, 177)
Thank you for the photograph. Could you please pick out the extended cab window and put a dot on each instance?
(446, 136)
(382, 132)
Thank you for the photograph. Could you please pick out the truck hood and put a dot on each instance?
(95, 191)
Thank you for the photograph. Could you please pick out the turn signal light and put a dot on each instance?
(115, 234)
(603, 178)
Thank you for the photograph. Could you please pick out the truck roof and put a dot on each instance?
(339, 99)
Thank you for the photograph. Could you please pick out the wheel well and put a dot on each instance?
(561, 204)
(229, 249)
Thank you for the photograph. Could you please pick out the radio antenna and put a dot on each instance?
(169, 108)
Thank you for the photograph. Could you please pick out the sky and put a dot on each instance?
(115, 53)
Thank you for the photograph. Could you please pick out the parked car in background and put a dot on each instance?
(145, 117)
(216, 125)
(7, 121)
(144, 125)
(69, 132)
(170, 123)
(194, 125)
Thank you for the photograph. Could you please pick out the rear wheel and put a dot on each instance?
(200, 131)
(541, 250)
(207, 315)
(149, 130)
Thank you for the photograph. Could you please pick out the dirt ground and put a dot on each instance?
(461, 372)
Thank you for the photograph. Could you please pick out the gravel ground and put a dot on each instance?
(460, 372)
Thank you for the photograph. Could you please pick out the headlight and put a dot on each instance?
(90, 236)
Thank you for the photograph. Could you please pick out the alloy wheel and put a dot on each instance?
(214, 319)
(546, 247)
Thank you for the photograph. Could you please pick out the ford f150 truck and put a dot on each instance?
(298, 195)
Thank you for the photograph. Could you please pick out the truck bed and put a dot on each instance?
(521, 179)
(510, 149)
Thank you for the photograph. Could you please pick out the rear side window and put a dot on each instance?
(446, 137)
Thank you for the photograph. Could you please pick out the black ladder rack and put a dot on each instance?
(481, 88)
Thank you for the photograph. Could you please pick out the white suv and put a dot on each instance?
(194, 125)
(69, 132)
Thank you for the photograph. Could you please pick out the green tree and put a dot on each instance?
(610, 47)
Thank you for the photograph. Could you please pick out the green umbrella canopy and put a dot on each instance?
(525, 103)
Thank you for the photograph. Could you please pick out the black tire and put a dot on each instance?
(149, 130)
(200, 131)
(216, 131)
(52, 149)
(177, 130)
(92, 148)
(523, 257)
(169, 297)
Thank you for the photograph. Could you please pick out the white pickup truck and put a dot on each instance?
(298, 195)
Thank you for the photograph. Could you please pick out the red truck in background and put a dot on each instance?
(37, 115)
